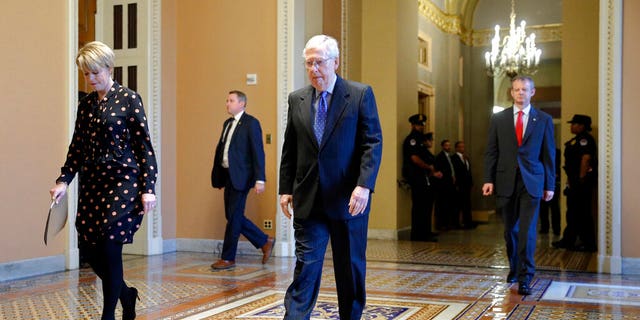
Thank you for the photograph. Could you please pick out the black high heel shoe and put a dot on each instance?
(129, 304)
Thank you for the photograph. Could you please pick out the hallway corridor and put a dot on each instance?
(460, 277)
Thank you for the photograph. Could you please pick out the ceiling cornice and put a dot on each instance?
(453, 24)
(446, 22)
(544, 33)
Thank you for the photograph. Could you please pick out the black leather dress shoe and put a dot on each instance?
(431, 239)
(511, 278)
(524, 289)
(584, 248)
(560, 244)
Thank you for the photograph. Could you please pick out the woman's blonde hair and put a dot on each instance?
(94, 56)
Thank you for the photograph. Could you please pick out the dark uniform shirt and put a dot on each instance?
(580, 145)
(411, 146)
(428, 158)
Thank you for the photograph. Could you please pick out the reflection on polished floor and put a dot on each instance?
(460, 277)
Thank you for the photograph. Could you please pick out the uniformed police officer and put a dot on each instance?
(580, 166)
(415, 171)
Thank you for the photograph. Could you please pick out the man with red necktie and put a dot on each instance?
(520, 168)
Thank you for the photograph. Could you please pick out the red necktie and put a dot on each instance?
(519, 128)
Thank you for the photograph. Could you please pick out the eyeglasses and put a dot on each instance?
(319, 63)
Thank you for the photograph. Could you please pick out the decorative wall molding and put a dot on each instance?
(610, 138)
(71, 252)
(154, 108)
(285, 83)
(344, 41)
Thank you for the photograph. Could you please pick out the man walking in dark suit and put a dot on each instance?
(446, 215)
(463, 185)
(238, 166)
(330, 160)
(519, 166)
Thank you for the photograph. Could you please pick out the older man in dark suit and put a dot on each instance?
(520, 168)
(238, 166)
(330, 160)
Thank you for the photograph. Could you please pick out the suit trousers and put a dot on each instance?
(520, 216)
(579, 215)
(237, 223)
(421, 209)
(445, 208)
(463, 204)
(348, 245)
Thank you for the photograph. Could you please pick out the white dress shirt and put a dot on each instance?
(225, 154)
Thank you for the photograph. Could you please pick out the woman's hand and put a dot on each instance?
(148, 202)
(58, 191)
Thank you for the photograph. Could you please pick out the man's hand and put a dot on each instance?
(259, 187)
(359, 200)
(286, 202)
(548, 195)
(487, 189)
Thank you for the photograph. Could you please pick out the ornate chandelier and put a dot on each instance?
(516, 55)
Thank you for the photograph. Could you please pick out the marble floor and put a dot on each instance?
(460, 277)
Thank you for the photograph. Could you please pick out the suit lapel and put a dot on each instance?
(338, 104)
(306, 105)
(239, 127)
(508, 119)
(531, 124)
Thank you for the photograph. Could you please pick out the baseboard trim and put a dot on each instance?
(630, 266)
(31, 267)
(389, 234)
(214, 246)
(169, 246)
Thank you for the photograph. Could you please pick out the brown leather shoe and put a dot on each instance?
(223, 264)
(267, 249)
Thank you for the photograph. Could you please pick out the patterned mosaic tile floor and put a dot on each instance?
(405, 281)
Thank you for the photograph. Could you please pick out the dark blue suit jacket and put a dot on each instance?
(246, 156)
(535, 158)
(349, 155)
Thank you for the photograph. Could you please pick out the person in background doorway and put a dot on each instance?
(446, 215)
(463, 185)
(580, 164)
(416, 168)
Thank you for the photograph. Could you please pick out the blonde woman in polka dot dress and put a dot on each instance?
(112, 154)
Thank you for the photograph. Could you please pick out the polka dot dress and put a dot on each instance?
(112, 154)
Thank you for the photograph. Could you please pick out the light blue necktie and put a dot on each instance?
(321, 117)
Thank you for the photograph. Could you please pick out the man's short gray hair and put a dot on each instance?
(327, 44)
